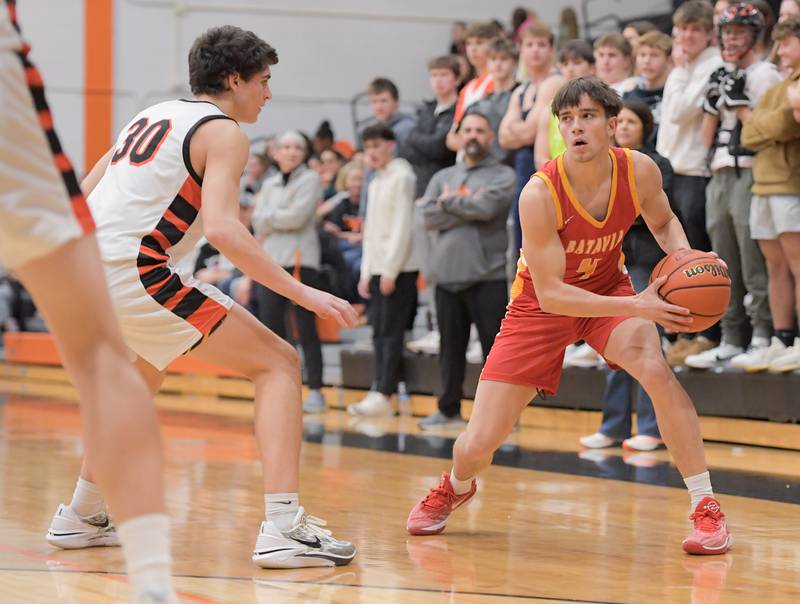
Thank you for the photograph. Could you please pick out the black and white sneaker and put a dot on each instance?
(305, 544)
(70, 531)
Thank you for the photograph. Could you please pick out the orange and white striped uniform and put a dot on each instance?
(41, 205)
(147, 210)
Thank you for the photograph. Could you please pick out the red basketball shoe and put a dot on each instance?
(429, 516)
(710, 535)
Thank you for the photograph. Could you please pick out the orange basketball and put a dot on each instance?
(695, 280)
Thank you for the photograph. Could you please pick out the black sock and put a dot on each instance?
(786, 336)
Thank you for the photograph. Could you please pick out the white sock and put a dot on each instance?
(146, 546)
(699, 486)
(281, 508)
(87, 500)
(459, 486)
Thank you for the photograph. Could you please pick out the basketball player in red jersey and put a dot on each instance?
(46, 237)
(571, 285)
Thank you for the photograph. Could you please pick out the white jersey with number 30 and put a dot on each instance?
(148, 200)
(147, 210)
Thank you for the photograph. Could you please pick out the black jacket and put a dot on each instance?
(639, 246)
(426, 148)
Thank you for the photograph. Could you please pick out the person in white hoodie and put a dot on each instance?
(680, 139)
(389, 268)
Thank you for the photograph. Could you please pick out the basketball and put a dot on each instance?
(695, 280)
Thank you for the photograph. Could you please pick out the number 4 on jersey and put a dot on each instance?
(587, 267)
(143, 141)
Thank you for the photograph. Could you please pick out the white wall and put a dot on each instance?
(329, 50)
(55, 32)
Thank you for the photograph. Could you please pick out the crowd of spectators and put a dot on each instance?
(715, 101)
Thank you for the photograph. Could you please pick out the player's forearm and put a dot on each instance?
(571, 301)
(236, 243)
(671, 236)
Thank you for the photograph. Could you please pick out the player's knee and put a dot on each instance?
(291, 359)
(653, 373)
(476, 446)
(283, 359)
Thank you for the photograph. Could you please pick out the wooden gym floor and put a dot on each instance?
(546, 525)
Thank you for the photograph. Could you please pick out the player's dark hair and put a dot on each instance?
(222, 51)
(377, 132)
(569, 95)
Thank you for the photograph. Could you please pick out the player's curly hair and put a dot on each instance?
(222, 51)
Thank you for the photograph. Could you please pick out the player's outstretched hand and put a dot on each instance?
(650, 306)
(326, 305)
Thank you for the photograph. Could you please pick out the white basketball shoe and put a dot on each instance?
(305, 544)
(70, 531)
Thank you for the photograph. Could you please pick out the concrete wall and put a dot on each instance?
(329, 50)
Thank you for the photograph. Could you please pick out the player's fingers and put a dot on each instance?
(720, 260)
(351, 315)
(680, 320)
(676, 310)
(348, 312)
(672, 326)
(337, 316)
(657, 283)
(686, 321)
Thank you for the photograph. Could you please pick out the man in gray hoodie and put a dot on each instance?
(467, 206)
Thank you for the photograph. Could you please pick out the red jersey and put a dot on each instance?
(593, 248)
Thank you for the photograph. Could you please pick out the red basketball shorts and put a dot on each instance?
(529, 350)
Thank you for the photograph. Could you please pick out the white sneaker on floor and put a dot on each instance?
(374, 404)
(713, 357)
(70, 531)
(642, 442)
(758, 358)
(475, 353)
(427, 344)
(788, 360)
(597, 441)
(305, 544)
(583, 356)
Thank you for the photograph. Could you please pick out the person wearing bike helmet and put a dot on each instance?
(731, 93)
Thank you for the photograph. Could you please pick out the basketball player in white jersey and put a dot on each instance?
(46, 239)
(172, 176)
